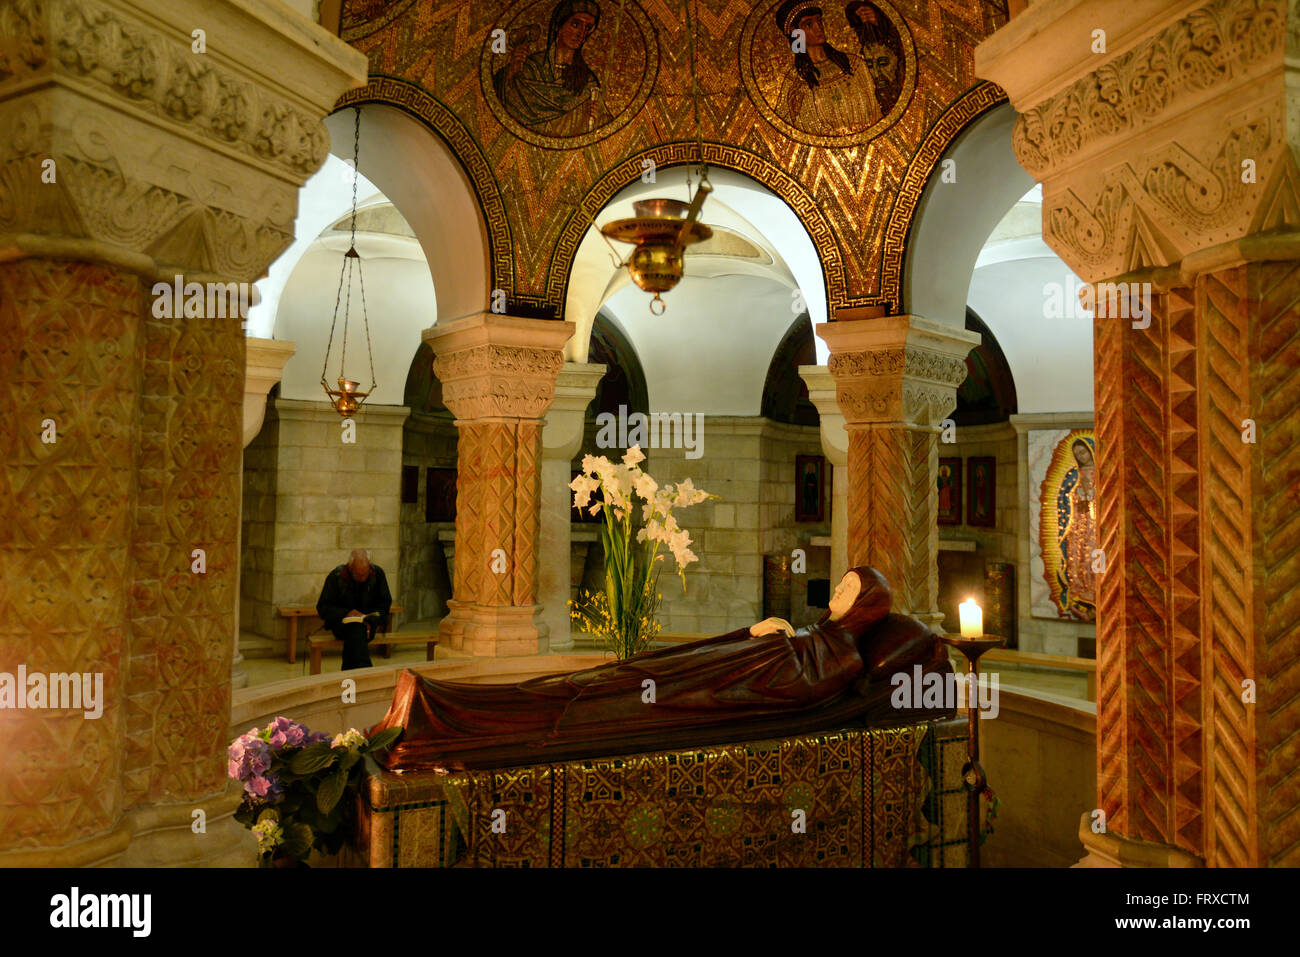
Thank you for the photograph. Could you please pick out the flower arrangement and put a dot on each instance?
(295, 784)
(623, 615)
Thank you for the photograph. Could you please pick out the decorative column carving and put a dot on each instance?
(561, 440)
(129, 160)
(896, 380)
(498, 375)
(1173, 164)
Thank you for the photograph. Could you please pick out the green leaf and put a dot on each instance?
(331, 789)
(297, 839)
(383, 739)
(313, 758)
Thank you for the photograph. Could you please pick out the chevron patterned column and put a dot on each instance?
(896, 379)
(1248, 318)
(498, 375)
(1185, 205)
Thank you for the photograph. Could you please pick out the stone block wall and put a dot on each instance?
(780, 534)
(330, 497)
(428, 441)
(1007, 541)
(257, 542)
(748, 462)
(962, 573)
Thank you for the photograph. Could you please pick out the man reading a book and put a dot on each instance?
(353, 604)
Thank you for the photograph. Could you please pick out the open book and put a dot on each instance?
(355, 619)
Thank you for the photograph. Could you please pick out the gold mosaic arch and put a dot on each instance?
(788, 189)
(411, 99)
(855, 191)
(965, 111)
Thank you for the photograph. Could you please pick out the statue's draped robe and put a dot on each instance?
(725, 688)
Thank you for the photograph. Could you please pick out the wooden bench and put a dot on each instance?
(319, 643)
(294, 612)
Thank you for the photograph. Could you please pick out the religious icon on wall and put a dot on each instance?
(570, 73)
(440, 495)
(810, 488)
(981, 491)
(1063, 524)
(950, 491)
(828, 74)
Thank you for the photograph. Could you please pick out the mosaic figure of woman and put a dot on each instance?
(830, 92)
(553, 91)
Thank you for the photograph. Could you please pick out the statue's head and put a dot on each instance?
(861, 599)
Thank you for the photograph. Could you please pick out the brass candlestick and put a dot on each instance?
(972, 774)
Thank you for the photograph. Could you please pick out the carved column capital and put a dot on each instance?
(1182, 136)
(821, 392)
(575, 387)
(264, 362)
(900, 369)
(495, 366)
(165, 156)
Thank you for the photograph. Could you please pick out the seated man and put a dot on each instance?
(357, 590)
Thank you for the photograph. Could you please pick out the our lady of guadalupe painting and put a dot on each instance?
(1067, 523)
(828, 74)
(567, 74)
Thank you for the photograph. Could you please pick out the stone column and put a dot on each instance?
(561, 440)
(498, 375)
(896, 380)
(264, 362)
(835, 446)
(131, 159)
(1179, 197)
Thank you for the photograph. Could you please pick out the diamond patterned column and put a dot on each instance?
(1175, 180)
(896, 379)
(498, 375)
(136, 167)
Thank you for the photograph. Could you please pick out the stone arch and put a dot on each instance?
(450, 196)
(785, 393)
(624, 382)
(942, 232)
(668, 155)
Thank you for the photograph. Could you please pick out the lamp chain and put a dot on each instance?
(695, 93)
(345, 275)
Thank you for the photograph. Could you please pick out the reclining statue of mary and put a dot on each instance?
(768, 680)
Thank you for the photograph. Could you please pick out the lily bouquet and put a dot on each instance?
(622, 616)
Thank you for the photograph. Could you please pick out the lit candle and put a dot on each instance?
(972, 619)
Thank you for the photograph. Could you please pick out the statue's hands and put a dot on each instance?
(771, 626)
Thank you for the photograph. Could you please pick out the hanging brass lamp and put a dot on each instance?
(347, 398)
(663, 228)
